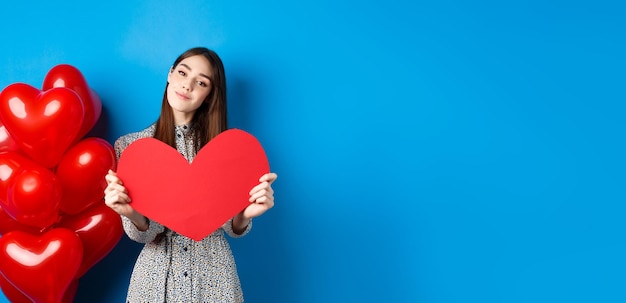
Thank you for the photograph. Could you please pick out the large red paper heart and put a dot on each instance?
(193, 199)
(41, 267)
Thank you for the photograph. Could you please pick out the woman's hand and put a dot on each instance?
(116, 197)
(261, 199)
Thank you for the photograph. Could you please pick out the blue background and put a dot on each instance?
(448, 151)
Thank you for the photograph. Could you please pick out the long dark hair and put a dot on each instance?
(210, 118)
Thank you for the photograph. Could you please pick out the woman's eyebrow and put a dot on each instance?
(201, 74)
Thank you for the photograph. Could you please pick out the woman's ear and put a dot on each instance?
(169, 75)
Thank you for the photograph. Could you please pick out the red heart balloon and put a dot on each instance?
(44, 124)
(29, 193)
(8, 224)
(65, 75)
(99, 229)
(11, 164)
(6, 141)
(81, 172)
(13, 294)
(41, 267)
(193, 199)
(70, 293)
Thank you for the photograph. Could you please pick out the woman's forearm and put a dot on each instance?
(240, 223)
(140, 221)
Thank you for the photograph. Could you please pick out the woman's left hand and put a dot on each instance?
(261, 197)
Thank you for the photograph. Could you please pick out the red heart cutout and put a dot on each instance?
(44, 124)
(193, 199)
(99, 229)
(41, 267)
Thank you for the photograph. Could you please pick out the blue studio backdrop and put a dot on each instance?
(427, 151)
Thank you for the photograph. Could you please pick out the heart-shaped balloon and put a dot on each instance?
(16, 296)
(8, 224)
(65, 75)
(70, 293)
(193, 199)
(99, 229)
(29, 192)
(44, 124)
(6, 141)
(13, 294)
(81, 172)
(41, 267)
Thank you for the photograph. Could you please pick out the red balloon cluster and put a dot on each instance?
(54, 225)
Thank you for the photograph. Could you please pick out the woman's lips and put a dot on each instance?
(183, 96)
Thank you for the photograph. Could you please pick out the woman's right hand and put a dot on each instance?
(116, 197)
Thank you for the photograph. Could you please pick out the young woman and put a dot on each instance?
(172, 267)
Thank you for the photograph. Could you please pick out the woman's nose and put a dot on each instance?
(186, 84)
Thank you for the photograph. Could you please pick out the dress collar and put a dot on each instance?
(184, 128)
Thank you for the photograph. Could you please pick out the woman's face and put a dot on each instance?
(189, 84)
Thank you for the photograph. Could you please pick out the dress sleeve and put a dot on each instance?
(129, 228)
(142, 236)
(119, 146)
(228, 228)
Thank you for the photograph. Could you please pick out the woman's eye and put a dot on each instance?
(182, 73)
(202, 84)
